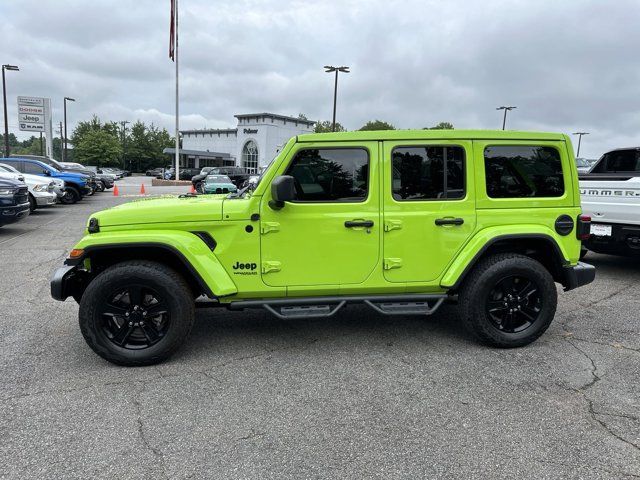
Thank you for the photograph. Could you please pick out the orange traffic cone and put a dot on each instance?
(193, 189)
(115, 191)
(142, 192)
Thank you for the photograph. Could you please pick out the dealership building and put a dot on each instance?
(257, 138)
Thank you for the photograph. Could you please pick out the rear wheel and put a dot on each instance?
(136, 313)
(508, 300)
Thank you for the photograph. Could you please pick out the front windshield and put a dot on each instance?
(218, 179)
(56, 165)
(8, 168)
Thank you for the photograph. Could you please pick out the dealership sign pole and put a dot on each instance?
(34, 115)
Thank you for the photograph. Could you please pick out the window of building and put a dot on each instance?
(250, 157)
(428, 173)
(523, 171)
(331, 174)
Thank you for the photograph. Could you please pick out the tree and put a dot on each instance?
(145, 146)
(302, 116)
(441, 126)
(377, 125)
(98, 147)
(324, 126)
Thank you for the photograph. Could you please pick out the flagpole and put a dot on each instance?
(177, 160)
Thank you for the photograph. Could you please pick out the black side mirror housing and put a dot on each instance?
(283, 189)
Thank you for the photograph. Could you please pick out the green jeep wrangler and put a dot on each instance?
(401, 221)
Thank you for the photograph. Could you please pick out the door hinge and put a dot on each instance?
(390, 263)
(268, 267)
(267, 227)
(392, 225)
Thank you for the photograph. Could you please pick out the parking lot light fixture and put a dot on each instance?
(66, 99)
(580, 134)
(4, 98)
(331, 69)
(506, 109)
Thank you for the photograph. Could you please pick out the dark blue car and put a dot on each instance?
(75, 184)
(14, 201)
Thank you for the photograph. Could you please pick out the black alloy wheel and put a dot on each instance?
(135, 317)
(514, 304)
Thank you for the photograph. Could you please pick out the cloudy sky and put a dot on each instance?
(567, 65)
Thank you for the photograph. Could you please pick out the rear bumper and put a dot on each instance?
(59, 280)
(579, 275)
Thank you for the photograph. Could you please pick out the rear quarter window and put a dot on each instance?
(521, 171)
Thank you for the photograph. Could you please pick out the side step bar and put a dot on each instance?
(322, 307)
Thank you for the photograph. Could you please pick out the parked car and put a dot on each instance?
(583, 165)
(185, 173)
(611, 196)
(238, 176)
(91, 184)
(104, 181)
(399, 221)
(14, 201)
(154, 172)
(75, 184)
(41, 190)
(218, 184)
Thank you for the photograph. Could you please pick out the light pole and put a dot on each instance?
(506, 109)
(123, 128)
(331, 69)
(65, 125)
(580, 134)
(4, 97)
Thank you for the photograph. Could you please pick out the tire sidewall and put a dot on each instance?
(114, 279)
(487, 281)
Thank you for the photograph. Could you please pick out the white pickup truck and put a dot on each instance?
(611, 196)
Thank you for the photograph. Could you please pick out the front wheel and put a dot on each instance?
(136, 313)
(32, 203)
(70, 196)
(508, 300)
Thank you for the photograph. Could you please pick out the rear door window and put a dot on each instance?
(428, 173)
(517, 171)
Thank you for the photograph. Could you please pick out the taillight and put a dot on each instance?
(584, 227)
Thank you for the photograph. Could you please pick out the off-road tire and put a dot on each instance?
(476, 289)
(168, 282)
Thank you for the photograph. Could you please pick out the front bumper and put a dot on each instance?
(44, 199)
(59, 281)
(579, 275)
(13, 213)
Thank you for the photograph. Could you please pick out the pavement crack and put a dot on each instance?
(604, 425)
(595, 377)
(251, 435)
(156, 452)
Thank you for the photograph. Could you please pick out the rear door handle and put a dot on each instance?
(449, 221)
(358, 223)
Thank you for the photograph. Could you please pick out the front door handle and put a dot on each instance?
(449, 221)
(358, 223)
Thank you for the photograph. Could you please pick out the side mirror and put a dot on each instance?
(283, 189)
(47, 173)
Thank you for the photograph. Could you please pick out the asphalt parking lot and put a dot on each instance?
(355, 396)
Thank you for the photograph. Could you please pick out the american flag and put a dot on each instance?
(172, 31)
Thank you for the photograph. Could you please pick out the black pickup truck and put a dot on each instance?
(14, 201)
(238, 176)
